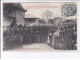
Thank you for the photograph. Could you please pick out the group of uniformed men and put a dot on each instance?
(15, 37)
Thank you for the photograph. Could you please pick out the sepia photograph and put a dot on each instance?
(39, 26)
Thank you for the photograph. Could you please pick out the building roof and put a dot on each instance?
(7, 6)
(30, 16)
(70, 22)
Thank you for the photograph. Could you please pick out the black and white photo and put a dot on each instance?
(39, 26)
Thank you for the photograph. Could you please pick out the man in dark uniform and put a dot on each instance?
(67, 38)
(74, 38)
(29, 34)
(6, 39)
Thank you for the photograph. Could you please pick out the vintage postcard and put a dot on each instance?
(39, 26)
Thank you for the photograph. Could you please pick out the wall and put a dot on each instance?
(29, 21)
(6, 22)
(20, 17)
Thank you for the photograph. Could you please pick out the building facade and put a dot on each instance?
(13, 13)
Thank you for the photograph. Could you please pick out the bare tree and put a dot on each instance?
(47, 15)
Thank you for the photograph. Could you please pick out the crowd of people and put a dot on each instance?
(62, 38)
(65, 39)
(16, 36)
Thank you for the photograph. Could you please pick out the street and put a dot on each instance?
(34, 47)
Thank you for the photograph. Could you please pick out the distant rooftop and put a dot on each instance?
(30, 16)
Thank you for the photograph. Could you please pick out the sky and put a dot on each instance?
(37, 9)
